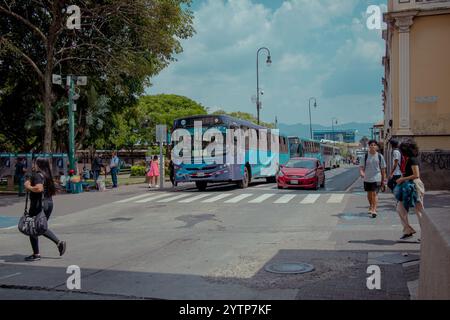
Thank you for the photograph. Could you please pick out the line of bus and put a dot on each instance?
(202, 172)
(329, 155)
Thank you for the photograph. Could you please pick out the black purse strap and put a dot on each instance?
(26, 203)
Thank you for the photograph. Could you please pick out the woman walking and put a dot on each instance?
(410, 191)
(42, 188)
(153, 173)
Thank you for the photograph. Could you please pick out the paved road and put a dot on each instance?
(185, 244)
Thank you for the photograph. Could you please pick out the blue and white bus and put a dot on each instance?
(260, 160)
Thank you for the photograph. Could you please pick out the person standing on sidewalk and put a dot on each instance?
(97, 166)
(410, 191)
(172, 173)
(373, 170)
(153, 173)
(42, 189)
(20, 175)
(114, 167)
(396, 172)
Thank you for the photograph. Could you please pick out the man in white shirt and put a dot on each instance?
(373, 170)
(114, 167)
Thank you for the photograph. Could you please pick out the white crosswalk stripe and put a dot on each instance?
(262, 198)
(181, 196)
(239, 198)
(132, 199)
(336, 198)
(201, 196)
(217, 198)
(167, 197)
(154, 197)
(285, 199)
(310, 199)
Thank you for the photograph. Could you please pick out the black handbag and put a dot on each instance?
(32, 226)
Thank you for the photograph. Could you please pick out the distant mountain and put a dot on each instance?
(302, 130)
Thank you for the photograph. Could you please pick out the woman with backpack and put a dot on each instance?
(41, 188)
(410, 190)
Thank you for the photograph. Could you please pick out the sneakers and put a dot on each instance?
(33, 257)
(62, 248)
(407, 236)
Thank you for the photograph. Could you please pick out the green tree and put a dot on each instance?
(122, 44)
(164, 109)
(244, 116)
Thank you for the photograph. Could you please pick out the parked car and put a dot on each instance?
(307, 173)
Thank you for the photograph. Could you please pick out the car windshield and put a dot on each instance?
(307, 164)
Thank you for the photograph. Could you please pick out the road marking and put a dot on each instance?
(217, 198)
(132, 199)
(153, 198)
(286, 198)
(262, 198)
(336, 198)
(174, 198)
(264, 185)
(310, 199)
(10, 276)
(239, 198)
(194, 198)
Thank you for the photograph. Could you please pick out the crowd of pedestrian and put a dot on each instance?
(403, 181)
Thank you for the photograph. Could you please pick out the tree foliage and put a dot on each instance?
(122, 43)
(244, 116)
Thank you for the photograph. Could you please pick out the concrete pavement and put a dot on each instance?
(178, 249)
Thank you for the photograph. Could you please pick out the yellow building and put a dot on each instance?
(417, 83)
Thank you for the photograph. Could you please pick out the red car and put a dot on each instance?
(305, 173)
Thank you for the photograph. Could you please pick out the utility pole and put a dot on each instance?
(71, 81)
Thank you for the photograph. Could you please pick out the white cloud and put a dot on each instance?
(311, 42)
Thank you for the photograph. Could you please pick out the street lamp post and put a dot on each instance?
(333, 122)
(310, 120)
(269, 62)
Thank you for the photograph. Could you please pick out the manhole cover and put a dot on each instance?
(120, 219)
(289, 268)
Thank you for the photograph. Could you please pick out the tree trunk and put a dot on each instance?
(48, 99)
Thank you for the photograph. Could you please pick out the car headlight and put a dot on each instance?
(310, 175)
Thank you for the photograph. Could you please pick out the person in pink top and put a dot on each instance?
(153, 173)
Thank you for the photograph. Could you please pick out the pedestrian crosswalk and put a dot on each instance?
(235, 198)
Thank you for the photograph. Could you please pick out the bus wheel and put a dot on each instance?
(245, 179)
(201, 185)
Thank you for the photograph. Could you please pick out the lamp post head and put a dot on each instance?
(269, 61)
(315, 104)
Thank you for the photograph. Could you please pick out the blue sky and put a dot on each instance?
(320, 48)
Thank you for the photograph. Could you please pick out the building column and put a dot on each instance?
(404, 24)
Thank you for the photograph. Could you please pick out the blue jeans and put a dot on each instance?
(114, 176)
(96, 175)
(21, 181)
